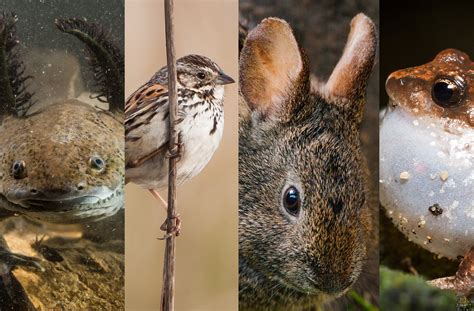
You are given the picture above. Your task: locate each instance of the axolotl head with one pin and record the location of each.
(64, 164)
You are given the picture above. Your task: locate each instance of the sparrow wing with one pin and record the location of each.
(143, 141)
(147, 93)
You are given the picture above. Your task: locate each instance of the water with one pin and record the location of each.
(82, 262)
(36, 29)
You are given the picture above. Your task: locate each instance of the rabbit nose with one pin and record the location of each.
(334, 283)
(332, 279)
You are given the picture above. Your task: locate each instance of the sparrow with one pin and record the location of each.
(200, 123)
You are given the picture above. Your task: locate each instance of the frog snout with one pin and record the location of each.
(394, 85)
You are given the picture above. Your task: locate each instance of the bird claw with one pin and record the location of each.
(174, 230)
(177, 150)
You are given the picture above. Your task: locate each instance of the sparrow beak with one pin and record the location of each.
(224, 79)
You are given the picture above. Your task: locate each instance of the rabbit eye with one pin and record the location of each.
(19, 169)
(292, 201)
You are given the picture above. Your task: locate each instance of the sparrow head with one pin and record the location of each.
(197, 72)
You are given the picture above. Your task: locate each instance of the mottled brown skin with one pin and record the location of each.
(307, 137)
(56, 145)
(411, 88)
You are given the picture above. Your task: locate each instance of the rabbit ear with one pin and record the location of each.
(271, 67)
(349, 77)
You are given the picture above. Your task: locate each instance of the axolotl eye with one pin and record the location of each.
(18, 170)
(97, 164)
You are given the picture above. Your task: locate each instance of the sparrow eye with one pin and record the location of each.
(201, 75)
(448, 92)
(19, 169)
(292, 201)
(97, 163)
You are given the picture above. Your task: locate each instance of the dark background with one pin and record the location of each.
(39, 39)
(413, 32)
(36, 29)
(36, 19)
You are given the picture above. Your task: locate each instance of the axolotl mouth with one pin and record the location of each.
(71, 207)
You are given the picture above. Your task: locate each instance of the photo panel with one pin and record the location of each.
(62, 155)
(426, 156)
(205, 34)
(308, 155)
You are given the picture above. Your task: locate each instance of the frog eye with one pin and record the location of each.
(292, 201)
(18, 169)
(448, 92)
(97, 163)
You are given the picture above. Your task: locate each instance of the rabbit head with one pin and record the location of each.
(304, 217)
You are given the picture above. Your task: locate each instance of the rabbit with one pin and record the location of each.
(307, 221)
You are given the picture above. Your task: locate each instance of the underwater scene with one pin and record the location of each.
(61, 155)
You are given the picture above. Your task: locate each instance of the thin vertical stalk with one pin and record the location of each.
(167, 294)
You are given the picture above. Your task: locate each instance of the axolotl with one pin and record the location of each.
(64, 162)
(427, 154)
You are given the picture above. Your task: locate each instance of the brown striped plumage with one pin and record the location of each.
(200, 89)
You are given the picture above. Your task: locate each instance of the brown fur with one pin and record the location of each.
(308, 139)
(269, 77)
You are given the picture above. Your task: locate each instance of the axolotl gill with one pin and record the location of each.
(427, 154)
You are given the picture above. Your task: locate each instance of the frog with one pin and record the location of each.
(427, 158)
(60, 162)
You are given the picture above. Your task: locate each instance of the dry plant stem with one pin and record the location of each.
(167, 294)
